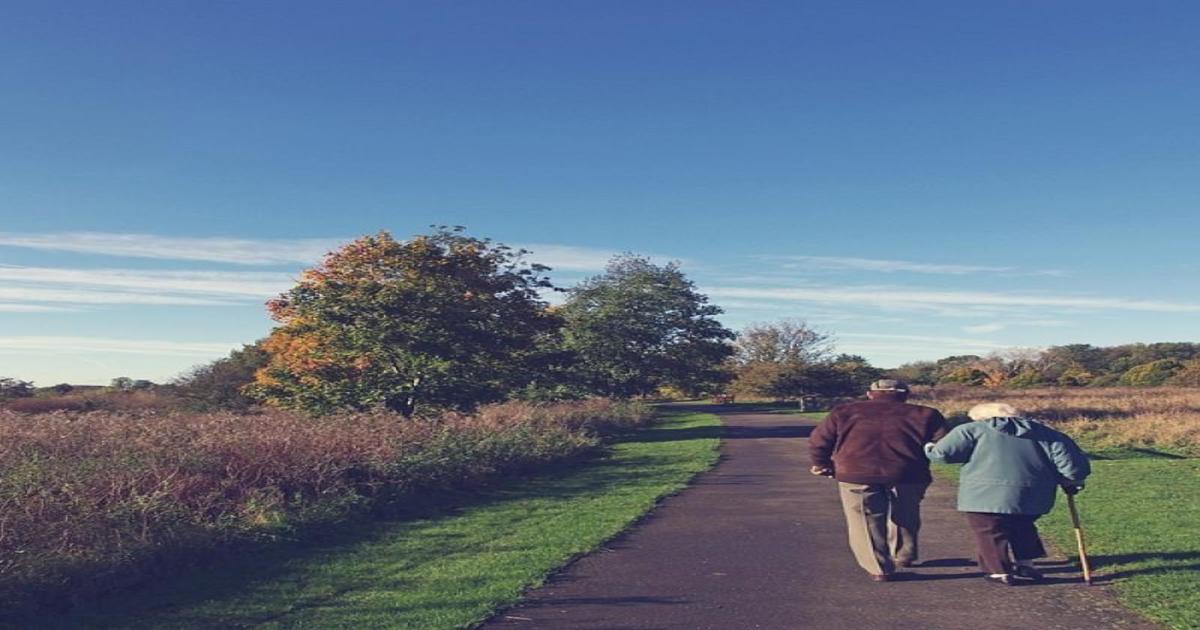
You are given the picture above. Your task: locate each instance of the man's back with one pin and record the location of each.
(877, 441)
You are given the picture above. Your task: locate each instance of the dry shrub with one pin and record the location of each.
(1138, 417)
(138, 401)
(99, 497)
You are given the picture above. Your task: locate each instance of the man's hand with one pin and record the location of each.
(821, 471)
(1072, 488)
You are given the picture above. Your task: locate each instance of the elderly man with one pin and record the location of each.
(1013, 467)
(875, 450)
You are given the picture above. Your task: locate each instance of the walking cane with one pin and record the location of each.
(1083, 559)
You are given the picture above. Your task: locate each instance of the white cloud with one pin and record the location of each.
(890, 266)
(83, 296)
(31, 308)
(893, 266)
(984, 328)
(121, 346)
(894, 349)
(926, 339)
(213, 249)
(248, 251)
(255, 284)
(924, 299)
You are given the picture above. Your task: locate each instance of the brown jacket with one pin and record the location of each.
(877, 441)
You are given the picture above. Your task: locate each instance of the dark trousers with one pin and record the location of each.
(998, 534)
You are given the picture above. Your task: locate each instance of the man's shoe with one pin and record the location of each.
(1029, 573)
(1003, 580)
(894, 576)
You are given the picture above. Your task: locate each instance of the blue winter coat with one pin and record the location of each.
(1011, 465)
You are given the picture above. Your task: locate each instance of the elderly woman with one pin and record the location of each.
(1012, 469)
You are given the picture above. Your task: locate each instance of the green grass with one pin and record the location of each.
(1140, 515)
(446, 569)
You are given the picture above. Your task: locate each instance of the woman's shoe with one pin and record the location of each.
(1029, 573)
(1003, 579)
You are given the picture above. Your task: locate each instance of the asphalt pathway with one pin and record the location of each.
(759, 543)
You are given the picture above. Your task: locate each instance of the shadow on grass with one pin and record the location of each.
(1164, 562)
(236, 570)
(1132, 452)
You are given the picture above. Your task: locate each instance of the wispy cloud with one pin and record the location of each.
(923, 299)
(31, 308)
(894, 266)
(239, 251)
(964, 342)
(985, 328)
(84, 296)
(109, 345)
(894, 349)
(249, 251)
(255, 284)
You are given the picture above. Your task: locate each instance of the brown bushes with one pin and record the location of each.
(1138, 417)
(137, 401)
(88, 497)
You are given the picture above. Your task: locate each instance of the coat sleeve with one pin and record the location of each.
(822, 441)
(1070, 460)
(939, 427)
(955, 448)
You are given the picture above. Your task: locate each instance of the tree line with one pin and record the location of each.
(447, 321)
(1074, 365)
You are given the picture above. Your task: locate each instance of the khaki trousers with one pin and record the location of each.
(883, 522)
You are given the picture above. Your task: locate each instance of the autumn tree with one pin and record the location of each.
(641, 326)
(443, 321)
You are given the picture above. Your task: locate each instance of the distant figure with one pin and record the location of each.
(875, 450)
(1013, 467)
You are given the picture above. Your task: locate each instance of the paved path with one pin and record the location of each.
(759, 543)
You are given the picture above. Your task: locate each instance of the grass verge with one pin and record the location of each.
(448, 568)
(1139, 515)
(1139, 520)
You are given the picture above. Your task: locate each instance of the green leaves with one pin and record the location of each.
(641, 326)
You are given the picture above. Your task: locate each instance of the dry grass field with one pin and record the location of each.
(88, 500)
(1165, 418)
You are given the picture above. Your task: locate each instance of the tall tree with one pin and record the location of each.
(641, 326)
(782, 359)
(790, 341)
(443, 320)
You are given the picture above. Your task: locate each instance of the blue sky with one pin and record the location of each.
(920, 179)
